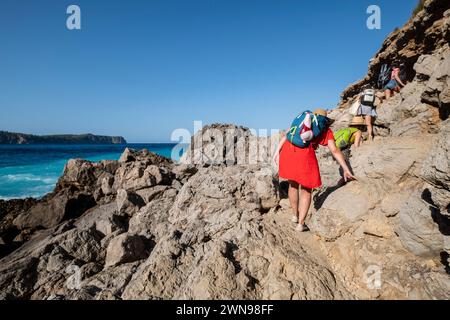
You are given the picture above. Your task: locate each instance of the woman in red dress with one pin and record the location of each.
(300, 167)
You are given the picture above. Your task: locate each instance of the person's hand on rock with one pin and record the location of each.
(348, 176)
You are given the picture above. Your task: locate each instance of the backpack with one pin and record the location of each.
(305, 128)
(368, 98)
(343, 137)
(403, 74)
(385, 76)
(354, 108)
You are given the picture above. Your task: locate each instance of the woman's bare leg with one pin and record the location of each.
(358, 138)
(293, 197)
(369, 127)
(387, 94)
(305, 202)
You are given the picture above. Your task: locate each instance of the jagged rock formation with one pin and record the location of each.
(387, 219)
(396, 215)
(229, 145)
(163, 231)
(428, 32)
(9, 210)
(217, 228)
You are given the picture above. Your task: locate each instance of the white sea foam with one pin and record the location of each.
(32, 195)
(25, 185)
(30, 177)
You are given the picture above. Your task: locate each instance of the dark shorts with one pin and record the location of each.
(391, 85)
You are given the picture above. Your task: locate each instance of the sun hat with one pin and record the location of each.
(358, 121)
(324, 113)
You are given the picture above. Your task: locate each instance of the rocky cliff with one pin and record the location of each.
(426, 33)
(21, 138)
(219, 228)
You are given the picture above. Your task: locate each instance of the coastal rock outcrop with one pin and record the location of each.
(426, 33)
(402, 175)
(125, 248)
(9, 234)
(223, 232)
(382, 223)
(216, 236)
(229, 145)
(423, 45)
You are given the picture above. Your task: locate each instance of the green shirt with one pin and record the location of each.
(345, 137)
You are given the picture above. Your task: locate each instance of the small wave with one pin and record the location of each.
(33, 195)
(25, 185)
(29, 177)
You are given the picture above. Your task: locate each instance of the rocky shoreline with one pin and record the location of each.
(144, 227)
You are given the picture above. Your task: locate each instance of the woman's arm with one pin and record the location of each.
(358, 138)
(337, 154)
(277, 153)
(397, 78)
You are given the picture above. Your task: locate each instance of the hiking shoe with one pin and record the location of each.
(302, 228)
(294, 219)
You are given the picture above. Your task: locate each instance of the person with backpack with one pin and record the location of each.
(395, 83)
(368, 101)
(384, 76)
(298, 163)
(352, 135)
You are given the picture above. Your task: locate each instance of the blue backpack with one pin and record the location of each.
(305, 128)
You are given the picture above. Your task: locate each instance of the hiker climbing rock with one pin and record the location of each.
(298, 162)
(367, 102)
(352, 135)
(396, 82)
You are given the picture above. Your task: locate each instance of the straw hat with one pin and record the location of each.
(322, 112)
(358, 121)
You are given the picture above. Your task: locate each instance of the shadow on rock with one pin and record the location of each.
(441, 220)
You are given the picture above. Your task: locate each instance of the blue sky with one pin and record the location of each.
(141, 69)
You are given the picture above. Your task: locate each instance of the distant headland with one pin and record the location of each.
(21, 138)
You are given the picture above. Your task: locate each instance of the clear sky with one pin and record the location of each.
(141, 69)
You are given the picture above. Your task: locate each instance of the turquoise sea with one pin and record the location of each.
(32, 170)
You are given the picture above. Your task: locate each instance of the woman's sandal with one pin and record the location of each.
(294, 219)
(302, 228)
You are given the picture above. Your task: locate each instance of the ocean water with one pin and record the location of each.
(33, 170)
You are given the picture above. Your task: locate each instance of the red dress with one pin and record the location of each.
(300, 164)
